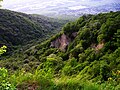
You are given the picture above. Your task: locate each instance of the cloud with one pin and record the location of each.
(77, 7)
(50, 5)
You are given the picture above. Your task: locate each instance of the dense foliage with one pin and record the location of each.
(20, 29)
(3, 49)
(90, 61)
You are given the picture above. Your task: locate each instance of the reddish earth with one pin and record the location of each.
(63, 41)
(97, 47)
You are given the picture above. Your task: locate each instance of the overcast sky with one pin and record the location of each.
(33, 6)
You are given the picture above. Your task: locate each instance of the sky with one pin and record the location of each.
(45, 6)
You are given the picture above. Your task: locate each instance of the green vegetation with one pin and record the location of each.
(18, 29)
(3, 49)
(90, 61)
(4, 84)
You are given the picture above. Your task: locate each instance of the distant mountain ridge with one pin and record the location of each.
(67, 9)
(19, 28)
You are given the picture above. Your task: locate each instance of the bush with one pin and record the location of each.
(4, 83)
(3, 49)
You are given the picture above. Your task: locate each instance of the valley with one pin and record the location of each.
(84, 54)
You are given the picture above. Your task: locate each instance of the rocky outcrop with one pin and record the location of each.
(97, 47)
(63, 41)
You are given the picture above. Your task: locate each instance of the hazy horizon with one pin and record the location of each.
(47, 6)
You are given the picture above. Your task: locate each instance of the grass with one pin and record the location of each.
(41, 80)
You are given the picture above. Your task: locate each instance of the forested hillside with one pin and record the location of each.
(84, 55)
(19, 28)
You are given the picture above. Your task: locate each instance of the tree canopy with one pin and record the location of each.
(3, 49)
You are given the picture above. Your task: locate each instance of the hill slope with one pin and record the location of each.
(19, 28)
(85, 50)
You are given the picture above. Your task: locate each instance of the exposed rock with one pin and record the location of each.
(63, 41)
(97, 47)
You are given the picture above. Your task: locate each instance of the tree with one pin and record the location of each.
(3, 49)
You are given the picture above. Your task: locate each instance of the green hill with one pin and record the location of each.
(85, 55)
(20, 29)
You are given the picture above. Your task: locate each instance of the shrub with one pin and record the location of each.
(4, 83)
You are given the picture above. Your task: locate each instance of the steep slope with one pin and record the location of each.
(19, 28)
(85, 50)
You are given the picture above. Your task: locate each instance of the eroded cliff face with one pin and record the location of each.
(97, 47)
(63, 41)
